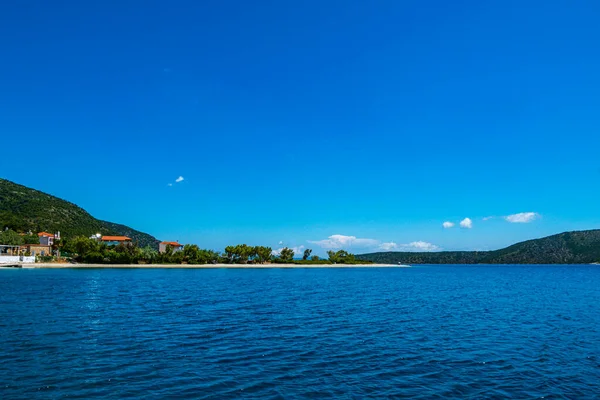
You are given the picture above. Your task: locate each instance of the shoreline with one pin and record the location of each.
(203, 266)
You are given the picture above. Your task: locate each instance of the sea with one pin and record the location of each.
(426, 332)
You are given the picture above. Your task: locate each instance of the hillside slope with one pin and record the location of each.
(580, 247)
(25, 209)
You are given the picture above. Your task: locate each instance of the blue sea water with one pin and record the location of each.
(425, 332)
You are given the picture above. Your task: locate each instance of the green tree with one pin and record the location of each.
(315, 258)
(230, 255)
(286, 255)
(263, 254)
(148, 254)
(210, 256)
(191, 254)
(333, 257)
(246, 253)
(341, 256)
(306, 254)
(240, 254)
(10, 238)
(31, 239)
(82, 246)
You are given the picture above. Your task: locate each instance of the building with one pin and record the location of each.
(115, 240)
(37, 249)
(11, 255)
(162, 247)
(47, 239)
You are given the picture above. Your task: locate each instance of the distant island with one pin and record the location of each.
(26, 213)
(579, 247)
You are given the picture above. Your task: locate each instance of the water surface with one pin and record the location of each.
(426, 332)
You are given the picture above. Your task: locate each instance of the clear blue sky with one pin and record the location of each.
(292, 121)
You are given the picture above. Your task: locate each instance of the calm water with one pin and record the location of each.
(426, 332)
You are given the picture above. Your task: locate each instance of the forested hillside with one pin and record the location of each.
(578, 247)
(24, 209)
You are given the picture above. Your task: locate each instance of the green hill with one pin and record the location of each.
(580, 247)
(24, 209)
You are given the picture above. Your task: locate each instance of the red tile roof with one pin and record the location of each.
(174, 244)
(116, 239)
(45, 234)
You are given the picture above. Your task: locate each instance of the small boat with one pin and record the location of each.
(403, 265)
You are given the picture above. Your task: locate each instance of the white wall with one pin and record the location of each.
(16, 259)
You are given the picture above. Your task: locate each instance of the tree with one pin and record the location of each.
(10, 238)
(31, 239)
(332, 256)
(263, 254)
(148, 254)
(341, 256)
(240, 254)
(286, 254)
(306, 254)
(167, 256)
(315, 258)
(208, 257)
(191, 254)
(245, 253)
(230, 255)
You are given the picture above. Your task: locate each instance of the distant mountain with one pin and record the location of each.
(580, 247)
(25, 209)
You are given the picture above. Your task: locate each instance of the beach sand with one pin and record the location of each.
(206, 266)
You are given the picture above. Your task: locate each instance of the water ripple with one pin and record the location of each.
(428, 332)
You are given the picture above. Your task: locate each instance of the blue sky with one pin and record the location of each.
(291, 122)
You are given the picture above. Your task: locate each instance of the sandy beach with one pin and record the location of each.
(206, 266)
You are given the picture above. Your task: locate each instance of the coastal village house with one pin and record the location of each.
(37, 249)
(115, 240)
(162, 247)
(47, 239)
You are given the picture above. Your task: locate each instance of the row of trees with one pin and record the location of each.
(86, 250)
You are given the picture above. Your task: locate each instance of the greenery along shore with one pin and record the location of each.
(24, 209)
(90, 251)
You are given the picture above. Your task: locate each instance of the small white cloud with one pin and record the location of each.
(388, 246)
(488, 218)
(298, 250)
(419, 246)
(169, 184)
(280, 242)
(466, 223)
(342, 241)
(522, 218)
(448, 224)
(180, 179)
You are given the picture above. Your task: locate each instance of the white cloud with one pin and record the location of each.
(388, 246)
(345, 242)
(280, 242)
(169, 184)
(522, 218)
(419, 246)
(299, 250)
(466, 223)
(342, 241)
(487, 218)
(179, 179)
(448, 224)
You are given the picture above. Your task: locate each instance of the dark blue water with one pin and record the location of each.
(426, 332)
